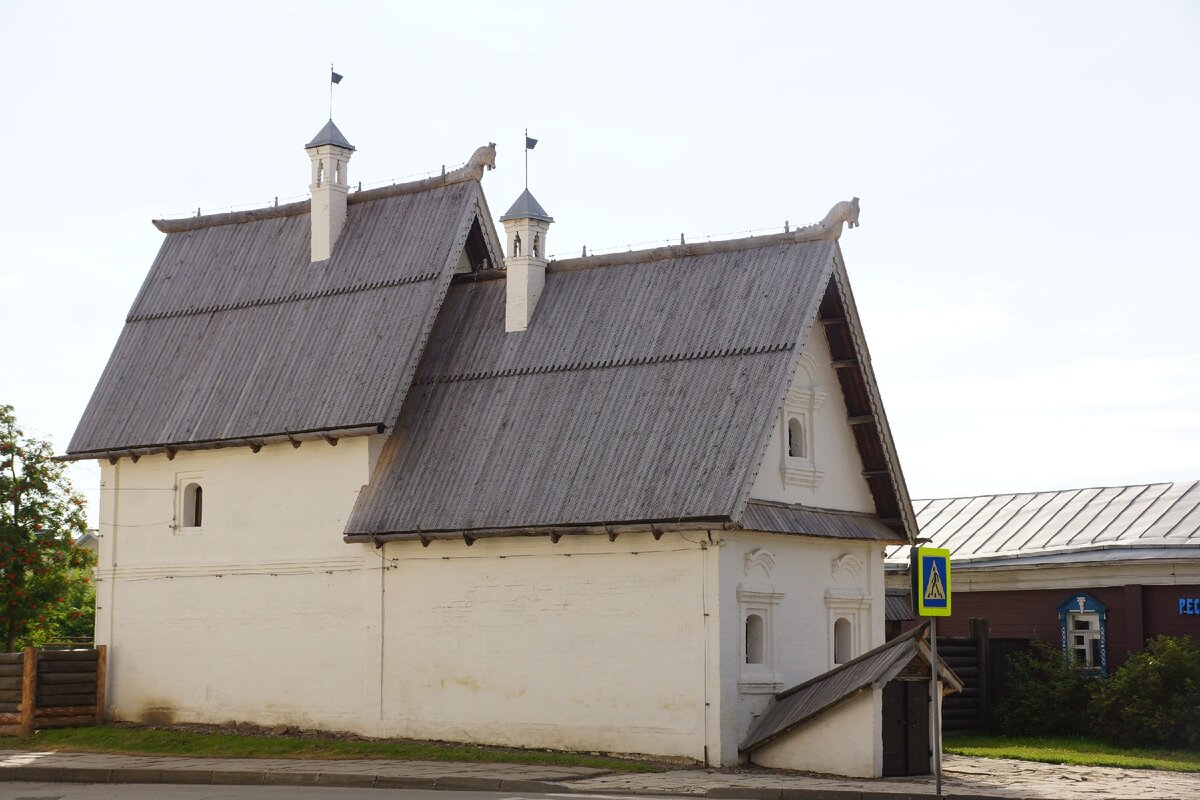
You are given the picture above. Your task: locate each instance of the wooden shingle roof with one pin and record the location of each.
(236, 336)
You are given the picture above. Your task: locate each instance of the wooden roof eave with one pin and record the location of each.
(876, 423)
(255, 443)
(555, 532)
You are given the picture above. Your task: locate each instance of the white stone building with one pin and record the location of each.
(363, 472)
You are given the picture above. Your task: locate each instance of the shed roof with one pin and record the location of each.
(793, 707)
(1157, 520)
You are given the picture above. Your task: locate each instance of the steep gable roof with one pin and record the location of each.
(637, 393)
(237, 337)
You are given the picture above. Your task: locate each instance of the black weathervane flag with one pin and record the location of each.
(530, 143)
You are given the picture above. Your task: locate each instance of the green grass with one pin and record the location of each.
(1072, 750)
(146, 741)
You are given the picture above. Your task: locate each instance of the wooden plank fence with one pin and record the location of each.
(52, 689)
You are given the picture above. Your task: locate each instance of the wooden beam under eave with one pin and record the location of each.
(875, 473)
(845, 363)
(861, 419)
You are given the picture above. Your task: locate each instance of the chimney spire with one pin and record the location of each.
(329, 152)
(525, 228)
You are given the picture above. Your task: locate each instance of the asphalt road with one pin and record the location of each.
(140, 791)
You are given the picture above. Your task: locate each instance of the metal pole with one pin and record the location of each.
(527, 158)
(935, 708)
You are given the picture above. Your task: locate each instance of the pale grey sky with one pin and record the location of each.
(1026, 268)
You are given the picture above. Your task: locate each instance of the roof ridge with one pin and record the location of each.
(828, 228)
(1055, 491)
(483, 158)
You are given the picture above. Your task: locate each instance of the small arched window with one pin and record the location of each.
(339, 172)
(517, 245)
(537, 245)
(320, 173)
(193, 505)
(797, 443)
(754, 639)
(841, 641)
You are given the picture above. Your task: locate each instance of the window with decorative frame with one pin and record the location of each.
(1083, 624)
(799, 458)
(758, 674)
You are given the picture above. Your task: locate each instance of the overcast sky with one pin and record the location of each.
(1026, 268)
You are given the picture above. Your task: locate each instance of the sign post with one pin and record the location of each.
(930, 571)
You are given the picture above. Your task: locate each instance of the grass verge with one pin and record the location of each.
(157, 741)
(1072, 750)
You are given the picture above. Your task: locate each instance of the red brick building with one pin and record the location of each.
(1095, 571)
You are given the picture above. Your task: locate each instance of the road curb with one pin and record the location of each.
(251, 777)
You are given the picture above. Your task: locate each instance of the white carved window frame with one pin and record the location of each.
(855, 606)
(182, 481)
(801, 404)
(761, 678)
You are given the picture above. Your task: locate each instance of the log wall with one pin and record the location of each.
(51, 689)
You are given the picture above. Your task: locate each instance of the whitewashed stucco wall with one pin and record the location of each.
(833, 450)
(835, 742)
(266, 615)
(807, 583)
(246, 618)
(583, 644)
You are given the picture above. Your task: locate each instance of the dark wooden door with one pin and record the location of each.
(906, 728)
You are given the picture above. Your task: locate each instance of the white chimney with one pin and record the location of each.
(330, 154)
(525, 228)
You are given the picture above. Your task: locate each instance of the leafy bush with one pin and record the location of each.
(1047, 697)
(1154, 698)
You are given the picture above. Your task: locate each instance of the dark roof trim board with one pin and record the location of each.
(656, 528)
(773, 517)
(761, 516)
(483, 158)
(872, 670)
(255, 443)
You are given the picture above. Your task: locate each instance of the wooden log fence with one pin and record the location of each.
(50, 688)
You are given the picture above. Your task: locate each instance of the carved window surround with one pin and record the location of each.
(801, 470)
(758, 678)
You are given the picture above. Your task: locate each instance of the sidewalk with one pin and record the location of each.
(964, 778)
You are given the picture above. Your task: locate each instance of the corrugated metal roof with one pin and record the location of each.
(876, 668)
(638, 393)
(761, 515)
(1094, 524)
(235, 333)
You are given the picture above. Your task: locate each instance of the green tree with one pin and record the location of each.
(44, 587)
(1155, 698)
(1046, 698)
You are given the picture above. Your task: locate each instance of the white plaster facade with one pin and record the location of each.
(263, 614)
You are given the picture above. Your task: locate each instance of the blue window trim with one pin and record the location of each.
(1090, 605)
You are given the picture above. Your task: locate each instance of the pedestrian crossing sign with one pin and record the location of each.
(930, 570)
